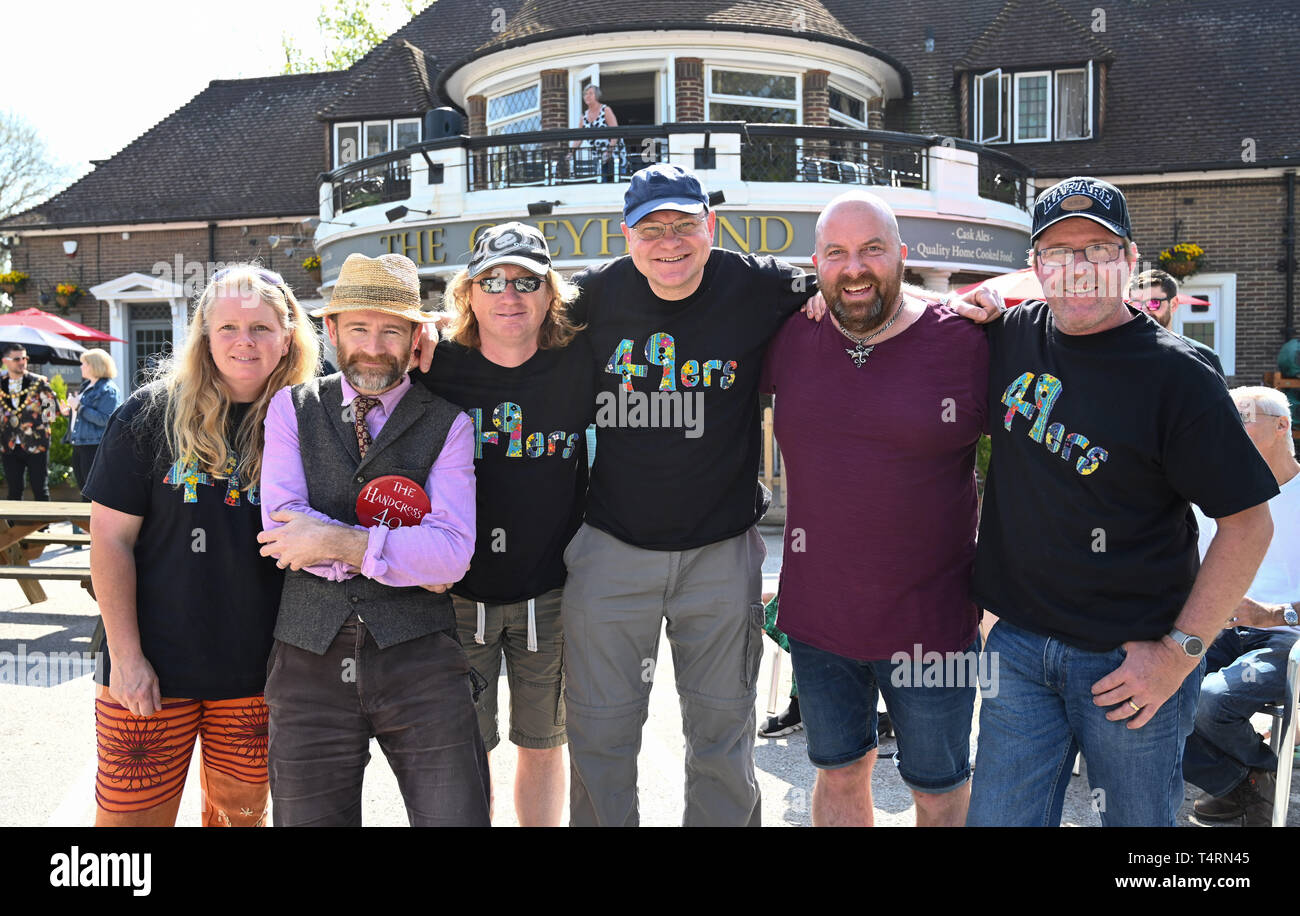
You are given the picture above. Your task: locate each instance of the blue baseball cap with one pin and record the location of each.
(663, 187)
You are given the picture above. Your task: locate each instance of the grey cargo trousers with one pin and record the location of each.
(615, 600)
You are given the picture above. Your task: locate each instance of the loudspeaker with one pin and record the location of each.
(443, 122)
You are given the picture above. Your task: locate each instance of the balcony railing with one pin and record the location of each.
(835, 155)
(768, 152)
(376, 180)
(547, 158)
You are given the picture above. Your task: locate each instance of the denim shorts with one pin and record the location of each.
(838, 698)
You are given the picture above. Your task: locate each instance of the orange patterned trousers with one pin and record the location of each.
(143, 761)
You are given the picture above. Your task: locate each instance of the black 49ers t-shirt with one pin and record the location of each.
(1100, 442)
(206, 600)
(677, 415)
(530, 462)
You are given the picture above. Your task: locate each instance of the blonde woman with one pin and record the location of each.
(89, 410)
(187, 601)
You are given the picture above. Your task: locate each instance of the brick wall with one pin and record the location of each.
(1239, 224)
(103, 256)
(690, 89)
(476, 106)
(555, 99)
(816, 99)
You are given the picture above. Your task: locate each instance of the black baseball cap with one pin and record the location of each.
(663, 187)
(510, 243)
(1091, 198)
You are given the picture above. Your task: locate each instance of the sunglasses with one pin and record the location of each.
(1152, 305)
(266, 276)
(496, 285)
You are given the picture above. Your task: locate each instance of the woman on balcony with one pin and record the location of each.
(188, 603)
(597, 115)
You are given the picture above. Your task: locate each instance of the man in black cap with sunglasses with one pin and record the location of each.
(1105, 429)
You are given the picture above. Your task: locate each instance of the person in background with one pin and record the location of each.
(596, 114)
(1155, 293)
(89, 410)
(188, 604)
(27, 407)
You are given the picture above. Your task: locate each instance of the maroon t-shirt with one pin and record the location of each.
(879, 467)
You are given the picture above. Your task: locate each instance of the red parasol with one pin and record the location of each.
(45, 321)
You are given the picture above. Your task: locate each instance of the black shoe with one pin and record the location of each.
(1251, 800)
(780, 725)
(884, 725)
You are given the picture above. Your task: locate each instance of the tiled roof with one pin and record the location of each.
(1190, 84)
(240, 148)
(389, 84)
(1042, 34)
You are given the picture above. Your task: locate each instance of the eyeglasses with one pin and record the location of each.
(17, 359)
(1250, 416)
(653, 232)
(266, 276)
(496, 285)
(1101, 253)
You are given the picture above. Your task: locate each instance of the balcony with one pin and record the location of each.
(774, 179)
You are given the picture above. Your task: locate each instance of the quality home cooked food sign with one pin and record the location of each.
(577, 239)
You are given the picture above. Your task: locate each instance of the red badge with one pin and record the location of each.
(391, 500)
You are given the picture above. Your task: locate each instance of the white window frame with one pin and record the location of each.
(1221, 290)
(1086, 70)
(519, 116)
(419, 130)
(361, 136)
(1004, 87)
(795, 105)
(839, 117)
(388, 137)
(1016, 79)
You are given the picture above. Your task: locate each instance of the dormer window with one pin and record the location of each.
(1034, 106)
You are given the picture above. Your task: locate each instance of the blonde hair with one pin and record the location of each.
(1270, 402)
(557, 329)
(100, 363)
(198, 403)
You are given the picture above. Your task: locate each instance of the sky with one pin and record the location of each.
(93, 76)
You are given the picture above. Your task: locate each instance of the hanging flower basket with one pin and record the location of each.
(1183, 260)
(13, 282)
(312, 265)
(66, 295)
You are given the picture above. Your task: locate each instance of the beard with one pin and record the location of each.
(862, 317)
(373, 378)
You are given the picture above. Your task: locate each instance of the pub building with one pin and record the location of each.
(470, 115)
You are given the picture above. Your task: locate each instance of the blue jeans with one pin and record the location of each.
(1042, 714)
(1247, 672)
(837, 701)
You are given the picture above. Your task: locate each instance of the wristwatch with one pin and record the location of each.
(1194, 646)
(1289, 615)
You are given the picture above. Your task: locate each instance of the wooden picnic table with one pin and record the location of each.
(22, 540)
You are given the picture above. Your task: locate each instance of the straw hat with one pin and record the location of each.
(388, 283)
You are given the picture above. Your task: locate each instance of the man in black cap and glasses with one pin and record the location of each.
(1104, 429)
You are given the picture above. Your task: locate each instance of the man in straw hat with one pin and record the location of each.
(368, 501)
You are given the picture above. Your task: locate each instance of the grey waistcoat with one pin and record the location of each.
(313, 609)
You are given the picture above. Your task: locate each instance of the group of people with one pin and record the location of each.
(28, 410)
(360, 551)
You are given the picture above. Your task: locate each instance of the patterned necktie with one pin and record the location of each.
(362, 405)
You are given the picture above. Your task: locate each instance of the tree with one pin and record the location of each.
(348, 30)
(28, 174)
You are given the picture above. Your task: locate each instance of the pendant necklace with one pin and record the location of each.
(859, 353)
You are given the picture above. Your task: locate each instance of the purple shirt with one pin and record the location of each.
(879, 469)
(435, 552)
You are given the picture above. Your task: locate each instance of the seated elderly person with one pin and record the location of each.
(1246, 665)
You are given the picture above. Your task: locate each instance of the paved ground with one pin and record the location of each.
(47, 738)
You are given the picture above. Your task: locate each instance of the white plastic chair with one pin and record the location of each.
(1283, 741)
